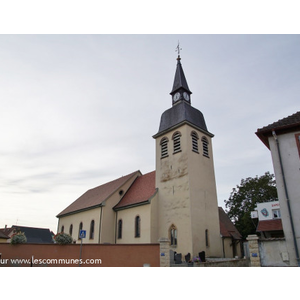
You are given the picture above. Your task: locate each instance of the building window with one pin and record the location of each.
(62, 228)
(92, 228)
(173, 235)
(164, 147)
(80, 228)
(71, 229)
(205, 146)
(195, 139)
(176, 142)
(137, 226)
(297, 136)
(276, 214)
(206, 238)
(120, 224)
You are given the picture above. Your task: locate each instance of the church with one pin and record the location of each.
(177, 201)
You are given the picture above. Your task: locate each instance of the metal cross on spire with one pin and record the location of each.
(178, 49)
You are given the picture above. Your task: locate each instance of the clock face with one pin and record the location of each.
(186, 96)
(176, 96)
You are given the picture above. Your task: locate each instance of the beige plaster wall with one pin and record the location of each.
(154, 219)
(104, 218)
(227, 243)
(108, 225)
(128, 224)
(173, 184)
(203, 195)
(85, 217)
(187, 195)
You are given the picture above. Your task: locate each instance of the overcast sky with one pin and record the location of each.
(80, 110)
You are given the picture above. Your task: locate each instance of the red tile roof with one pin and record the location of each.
(142, 190)
(227, 229)
(269, 225)
(288, 124)
(94, 197)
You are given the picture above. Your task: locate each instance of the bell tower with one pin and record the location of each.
(187, 198)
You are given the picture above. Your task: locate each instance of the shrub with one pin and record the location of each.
(18, 238)
(63, 238)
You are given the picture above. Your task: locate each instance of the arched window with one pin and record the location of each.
(195, 139)
(164, 147)
(206, 238)
(176, 141)
(62, 228)
(71, 229)
(205, 146)
(120, 224)
(173, 235)
(80, 228)
(137, 226)
(92, 228)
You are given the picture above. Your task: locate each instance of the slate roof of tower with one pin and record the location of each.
(96, 196)
(179, 114)
(227, 229)
(287, 124)
(140, 192)
(179, 79)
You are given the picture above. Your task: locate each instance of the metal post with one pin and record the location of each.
(80, 252)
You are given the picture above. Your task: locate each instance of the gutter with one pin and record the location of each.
(100, 224)
(287, 198)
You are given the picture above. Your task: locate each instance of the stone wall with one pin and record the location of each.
(164, 252)
(253, 250)
(274, 253)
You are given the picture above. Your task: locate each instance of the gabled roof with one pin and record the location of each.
(96, 196)
(140, 192)
(288, 124)
(35, 235)
(227, 229)
(3, 235)
(269, 225)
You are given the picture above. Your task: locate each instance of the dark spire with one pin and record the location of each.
(179, 79)
(180, 90)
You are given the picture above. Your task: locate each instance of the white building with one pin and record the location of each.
(283, 139)
(269, 219)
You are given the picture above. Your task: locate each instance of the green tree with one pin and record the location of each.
(243, 200)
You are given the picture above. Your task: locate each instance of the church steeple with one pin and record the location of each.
(187, 203)
(181, 112)
(180, 90)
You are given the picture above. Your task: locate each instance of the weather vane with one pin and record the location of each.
(178, 49)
